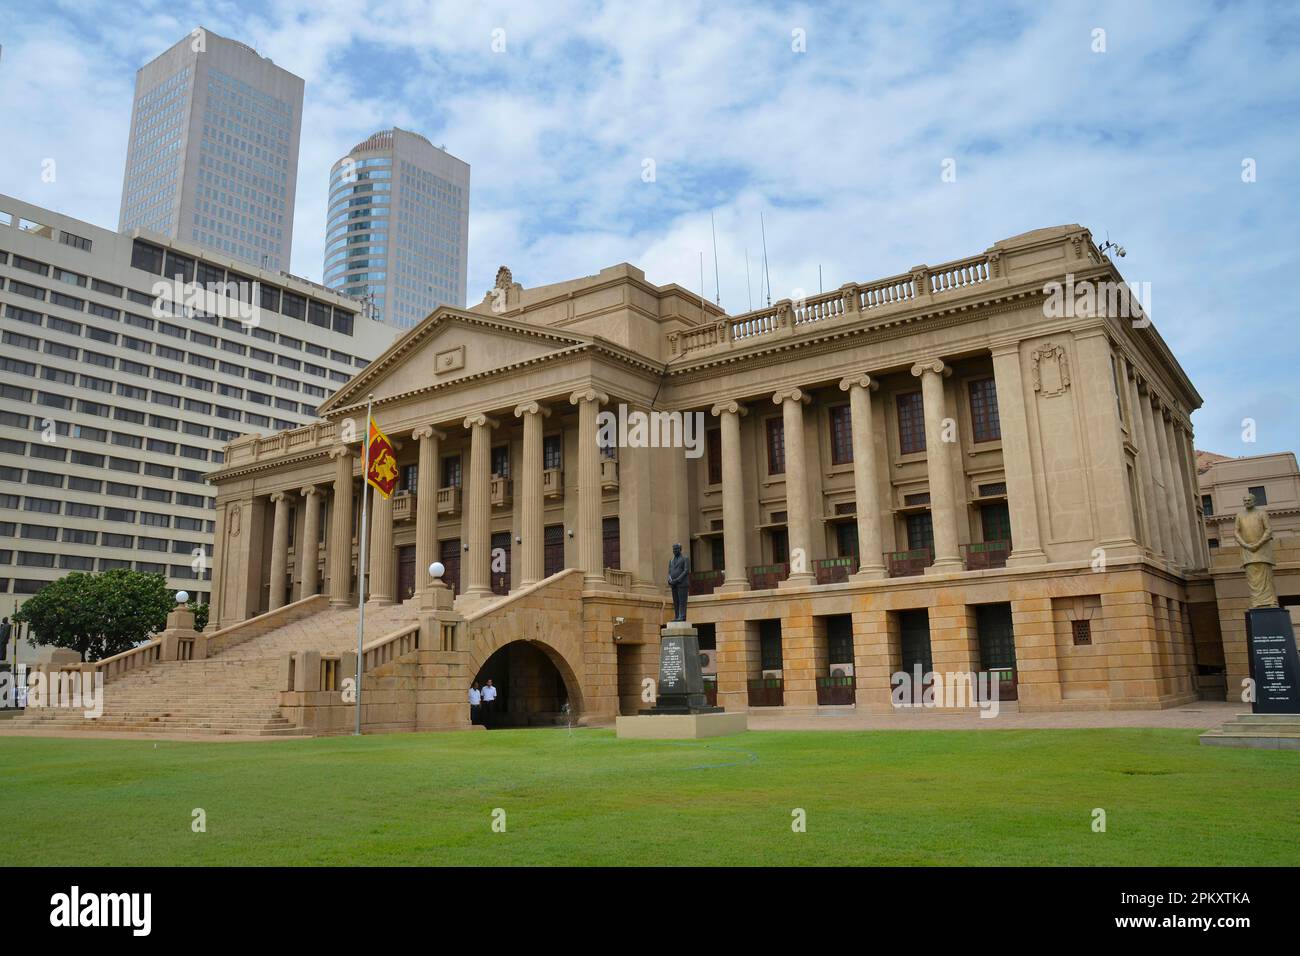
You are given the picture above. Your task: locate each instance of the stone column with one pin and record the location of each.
(338, 553)
(1183, 508)
(279, 550)
(477, 565)
(309, 547)
(865, 487)
(381, 559)
(1017, 461)
(426, 504)
(529, 485)
(1161, 486)
(799, 523)
(1175, 526)
(1098, 388)
(1187, 458)
(1155, 540)
(589, 490)
(735, 574)
(943, 508)
(636, 526)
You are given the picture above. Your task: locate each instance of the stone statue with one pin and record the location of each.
(679, 573)
(1255, 538)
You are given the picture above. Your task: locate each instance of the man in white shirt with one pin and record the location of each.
(489, 699)
(475, 703)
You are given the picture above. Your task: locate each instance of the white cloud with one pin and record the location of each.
(839, 146)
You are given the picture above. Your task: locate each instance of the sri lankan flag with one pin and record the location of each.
(383, 463)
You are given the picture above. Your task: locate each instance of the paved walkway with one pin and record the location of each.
(1201, 715)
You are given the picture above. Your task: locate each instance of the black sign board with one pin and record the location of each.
(1274, 663)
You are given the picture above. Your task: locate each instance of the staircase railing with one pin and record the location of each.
(236, 634)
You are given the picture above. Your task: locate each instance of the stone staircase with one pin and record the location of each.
(1262, 731)
(236, 691)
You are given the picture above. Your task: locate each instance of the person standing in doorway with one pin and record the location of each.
(475, 703)
(489, 699)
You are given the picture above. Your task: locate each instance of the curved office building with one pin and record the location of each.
(397, 229)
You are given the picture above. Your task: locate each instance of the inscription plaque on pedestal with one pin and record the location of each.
(1274, 662)
(681, 679)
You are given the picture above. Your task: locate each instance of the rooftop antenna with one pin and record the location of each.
(717, 292)
(819, 278)
(766, 271)
(749, 286)
(701, 285)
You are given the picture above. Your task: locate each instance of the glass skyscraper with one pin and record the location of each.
(397, 228)
(213, 152)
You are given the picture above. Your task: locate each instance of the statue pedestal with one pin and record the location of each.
(681, 681)
(680, 711)
(1274, 662)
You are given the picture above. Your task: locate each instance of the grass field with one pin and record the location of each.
(902, 797)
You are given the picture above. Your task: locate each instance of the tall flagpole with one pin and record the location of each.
(361, 552)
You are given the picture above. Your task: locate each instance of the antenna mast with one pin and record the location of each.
(717, 292)
(749, 286)
(766, 271)
(701, 285)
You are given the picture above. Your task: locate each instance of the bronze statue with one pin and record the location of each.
(679, 573)
(1255, 538)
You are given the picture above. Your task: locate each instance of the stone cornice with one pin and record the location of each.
(571, 343)
(315, 455)
(598, 347)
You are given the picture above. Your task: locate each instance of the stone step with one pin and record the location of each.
(232, 692)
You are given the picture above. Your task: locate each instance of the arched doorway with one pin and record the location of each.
(535, 687)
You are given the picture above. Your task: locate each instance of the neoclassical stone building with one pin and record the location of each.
(941, 469)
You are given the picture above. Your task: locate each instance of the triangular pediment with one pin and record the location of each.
(447, 346)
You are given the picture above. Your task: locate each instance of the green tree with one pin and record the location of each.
(98, 615)
(200, 614)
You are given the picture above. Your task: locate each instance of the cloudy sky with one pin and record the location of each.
(832, 120)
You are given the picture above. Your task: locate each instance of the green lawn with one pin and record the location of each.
(583, 797)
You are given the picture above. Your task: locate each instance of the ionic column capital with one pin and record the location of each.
(936, 366)
(427, 431)
(588, 395)
(307, 491)
(859, 381)
(480, 420)
(278, 496)
(340, 451)
(791, 395)
(532, 408)
(728, 408)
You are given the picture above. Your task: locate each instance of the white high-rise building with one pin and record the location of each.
(115, 401)
(213, 152)
(397, 229)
